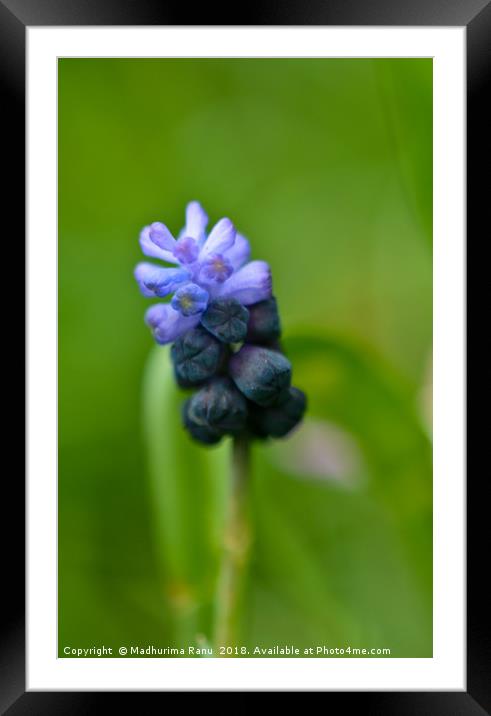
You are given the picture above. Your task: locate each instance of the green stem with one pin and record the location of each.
(236, 548)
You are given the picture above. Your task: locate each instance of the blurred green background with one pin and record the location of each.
(326, 166)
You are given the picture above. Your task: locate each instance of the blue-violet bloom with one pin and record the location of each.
(205, 267)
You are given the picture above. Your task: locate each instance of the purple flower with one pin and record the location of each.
(204, 268)
(167, 324)
(156, 281)
(190, 300)
(217, 268)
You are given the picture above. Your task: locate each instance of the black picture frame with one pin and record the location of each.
(15, 17)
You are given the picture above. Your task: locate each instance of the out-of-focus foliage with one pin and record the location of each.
(326, 166)
(344, 511)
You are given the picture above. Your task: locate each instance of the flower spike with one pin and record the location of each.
(224, 326)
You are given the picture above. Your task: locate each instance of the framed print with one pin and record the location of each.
(246, 355)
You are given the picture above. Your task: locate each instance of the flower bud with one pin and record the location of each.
(264, 322)
(197, 356)
(260, 374)
(226, 319)
(201, 433)
(279, 419)
(218, 405)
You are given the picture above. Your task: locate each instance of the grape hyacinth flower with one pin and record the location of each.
(223, 321)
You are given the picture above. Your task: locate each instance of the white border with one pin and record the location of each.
(446, 670)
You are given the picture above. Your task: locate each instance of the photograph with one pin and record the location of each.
(245, 331)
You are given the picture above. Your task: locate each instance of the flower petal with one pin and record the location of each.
(190, 299)
(215, 268)
(160, 235)
(167, 324)
(186, 250)
(250, 284)
(196, 221)
(151, 249)
(239, 253)
(156, 314)
(157, 281)
(221, 238)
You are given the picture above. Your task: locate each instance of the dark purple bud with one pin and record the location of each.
(279, 419)
(264, 322)
(218, 405)
(261, 374)
(226, 319)
(201, 433)
(197, 356)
